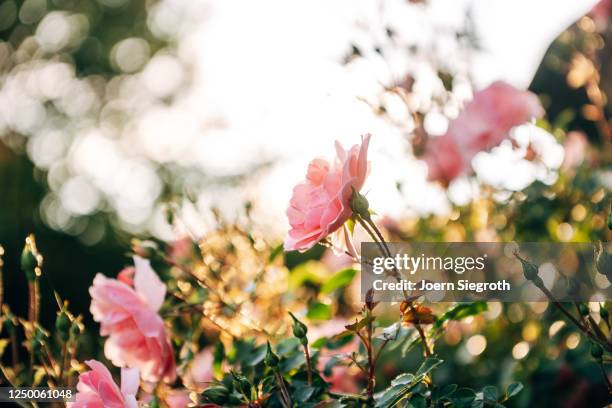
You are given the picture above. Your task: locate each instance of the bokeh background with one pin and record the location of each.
(133, 118)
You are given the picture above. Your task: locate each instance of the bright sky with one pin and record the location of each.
(271, 70)
(269, 83)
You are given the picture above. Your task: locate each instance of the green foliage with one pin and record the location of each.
(338, 280)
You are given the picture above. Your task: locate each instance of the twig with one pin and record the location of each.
(202, 282)
(376, 235)
(308, 364)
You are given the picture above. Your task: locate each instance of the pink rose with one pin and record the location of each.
(97, 389)
(444, 160)
(128, 315)
(320, 205)
(484, 123)
(180, 249)
(177, 399)
(601, 12)
(575, 145)
(343, 378)
(201, 370)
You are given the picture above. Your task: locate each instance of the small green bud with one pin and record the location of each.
(360, 205)
(529, 270)
(299, 328)
(596, 351)
(62, 324)
(583, 309)
(28, 263)
(271, 359)
(217, 394)
(75, 329)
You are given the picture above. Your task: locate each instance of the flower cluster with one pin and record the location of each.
(484, 123)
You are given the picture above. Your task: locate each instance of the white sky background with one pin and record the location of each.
(268, 84)
(271, 70)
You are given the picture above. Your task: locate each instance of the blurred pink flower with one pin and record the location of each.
(444, 160)
(180, 249)
(128, 315)
(97, 389)
(484, 123)
(575, 146)
(342, 378)
(177, 399)
(201, 369)
(601, 12)
(320, 205)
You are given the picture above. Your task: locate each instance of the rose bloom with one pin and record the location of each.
(128, 316)
(200, 373)
(320, 205)
(484, 123)
(97, 389)
(444, 160)
(601, 13)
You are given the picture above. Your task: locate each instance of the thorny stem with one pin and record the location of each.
(63, 362)
(377, 236)
(34, 304)
(577, 323)
(308, 364)
(371, 364)
(14, 347)
(285, 398)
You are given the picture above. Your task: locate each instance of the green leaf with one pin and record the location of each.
(275, 252)
(402, 379)
(358, 325)
(442, 392)
(303, 393)
(513, 389)
(429, 364)
(319, 311)
(310, 272)
(256, 356)
(417, 401)
(461, 311)
(338, 280)
(490, 393)
(288, 346)
(404, 384)
(463, 397)
(292, 362)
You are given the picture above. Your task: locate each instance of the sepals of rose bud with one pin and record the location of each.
(360, 205)
(271, 359)
(299, 329)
